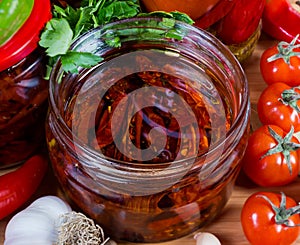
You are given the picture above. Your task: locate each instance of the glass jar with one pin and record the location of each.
(148, 142)
(23, 90)
(65, 3)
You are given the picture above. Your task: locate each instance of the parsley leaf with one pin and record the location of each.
(117, 10)
(84, 22)
(173, 15)
(72, 60)
(57, 37)
(69, 23)
(182, 17)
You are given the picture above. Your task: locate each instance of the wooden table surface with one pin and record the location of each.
(227, 227)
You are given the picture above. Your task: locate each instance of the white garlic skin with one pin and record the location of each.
(206, 238)
(36, 223)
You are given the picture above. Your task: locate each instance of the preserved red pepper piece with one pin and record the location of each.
(18, 186)
(241, 21)
(281, 19)
(216, 13)
(144, 120)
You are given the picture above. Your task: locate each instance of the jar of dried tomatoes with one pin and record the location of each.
(148, 142)
(23, 90)
(235, 22)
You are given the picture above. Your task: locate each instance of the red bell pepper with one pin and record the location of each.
(18, 186)
(281, 19)
(241, 21)
(216, 13)
(25, 40)
(13, 15)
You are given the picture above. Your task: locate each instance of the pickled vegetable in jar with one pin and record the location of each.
(149, 141)
(169, 104)
(23, 89)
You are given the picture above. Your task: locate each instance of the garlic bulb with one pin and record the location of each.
(36, 223)
(51, 221)
(76, 228)
(205, 238)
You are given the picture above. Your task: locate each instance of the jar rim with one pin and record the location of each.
(26, 39)
(233, 65)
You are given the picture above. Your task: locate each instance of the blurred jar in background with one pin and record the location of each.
(65, 3)
(235, 22)
(23, 89)
(194, 8)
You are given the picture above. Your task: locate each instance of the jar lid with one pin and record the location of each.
(26, 39)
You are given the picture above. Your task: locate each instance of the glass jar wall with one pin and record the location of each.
(148, 142)
(23, 89)
(23, 106)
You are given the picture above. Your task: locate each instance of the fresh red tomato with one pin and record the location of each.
(279, 104)
(269, 218)
(271, 157)
(281, 19)
(281, 63)
(241, 21)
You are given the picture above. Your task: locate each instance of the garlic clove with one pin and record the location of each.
(30, 224)
(53, 206)
(36, 223)
(206, 238)
(111, 242)
(27, 241)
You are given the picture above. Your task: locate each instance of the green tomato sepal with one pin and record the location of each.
(284, 146)
(282, 213)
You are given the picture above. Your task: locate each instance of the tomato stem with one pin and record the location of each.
(290, 97)
(282, 214)
(285, 51)
(284, 146)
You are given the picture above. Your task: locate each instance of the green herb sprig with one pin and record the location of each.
(69, 23)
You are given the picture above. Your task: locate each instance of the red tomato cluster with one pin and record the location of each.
(272, 157)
